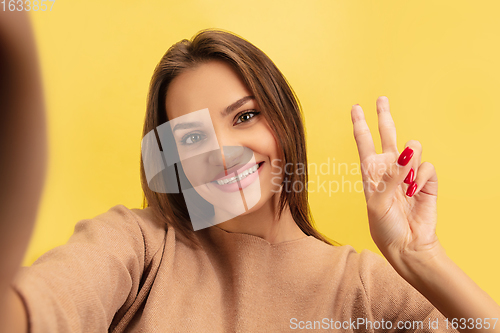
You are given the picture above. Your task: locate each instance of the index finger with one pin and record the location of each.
(362, 133)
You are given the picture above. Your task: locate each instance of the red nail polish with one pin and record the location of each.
(411, 190)
(409, 178)
(405, 156)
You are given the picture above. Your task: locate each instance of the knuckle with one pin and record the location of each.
(361, 132)
(382, 109)
(415, 144)
(429, 166)
(386, 125)
(357, 117)
(371, 206)
(388, 176)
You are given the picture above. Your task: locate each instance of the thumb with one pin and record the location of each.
(393, 177)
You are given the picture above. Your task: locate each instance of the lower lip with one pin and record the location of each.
(241, 184)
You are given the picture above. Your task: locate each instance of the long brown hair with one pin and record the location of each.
(273, 94)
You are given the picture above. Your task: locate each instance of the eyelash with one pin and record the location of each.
(246, 112)
(183, 140)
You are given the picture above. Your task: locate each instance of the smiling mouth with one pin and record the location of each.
(242, 175)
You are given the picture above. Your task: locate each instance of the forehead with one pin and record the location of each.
(213, 85)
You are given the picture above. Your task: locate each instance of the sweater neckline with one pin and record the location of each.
(252, 239)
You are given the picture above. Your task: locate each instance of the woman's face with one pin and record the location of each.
(225, 144)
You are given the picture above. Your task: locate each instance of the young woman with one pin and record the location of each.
(221, 126)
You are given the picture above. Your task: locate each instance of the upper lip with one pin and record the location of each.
(230, 172)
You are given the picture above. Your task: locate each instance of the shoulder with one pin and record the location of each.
(385, 292)
(346, 255)
(370, 269)
(342, 262)
(377, 276)
(142, 222)
(121, 227)
(366, 264)
(389, 294)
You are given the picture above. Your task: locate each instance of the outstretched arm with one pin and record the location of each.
(22, 154)
(401, 196)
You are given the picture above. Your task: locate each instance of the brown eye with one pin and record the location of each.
(246, 116)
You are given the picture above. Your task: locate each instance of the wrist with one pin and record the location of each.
(419, 266)
(418, 261)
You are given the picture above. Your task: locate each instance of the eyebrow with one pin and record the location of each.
(236, 105)
(224, 113)
(187, 125)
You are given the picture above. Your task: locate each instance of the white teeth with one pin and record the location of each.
(240, 176)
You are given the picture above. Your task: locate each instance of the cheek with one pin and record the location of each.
(196, 171)
(266, 147)
(275, 158)
(267, 142)
(190, 172)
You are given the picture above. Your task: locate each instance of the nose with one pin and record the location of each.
(231, 155)
(231, 151)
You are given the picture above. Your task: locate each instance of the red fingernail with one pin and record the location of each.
(405, 156)
(411, 190)
(409, 177)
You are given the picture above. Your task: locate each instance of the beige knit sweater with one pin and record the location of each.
(124, 271)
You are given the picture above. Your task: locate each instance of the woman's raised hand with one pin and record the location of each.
(400, 192)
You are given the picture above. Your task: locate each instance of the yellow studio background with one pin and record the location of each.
(437, 62)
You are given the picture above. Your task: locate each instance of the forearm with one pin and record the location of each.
(451, 291)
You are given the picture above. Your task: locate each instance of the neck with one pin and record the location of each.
(265, 224)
